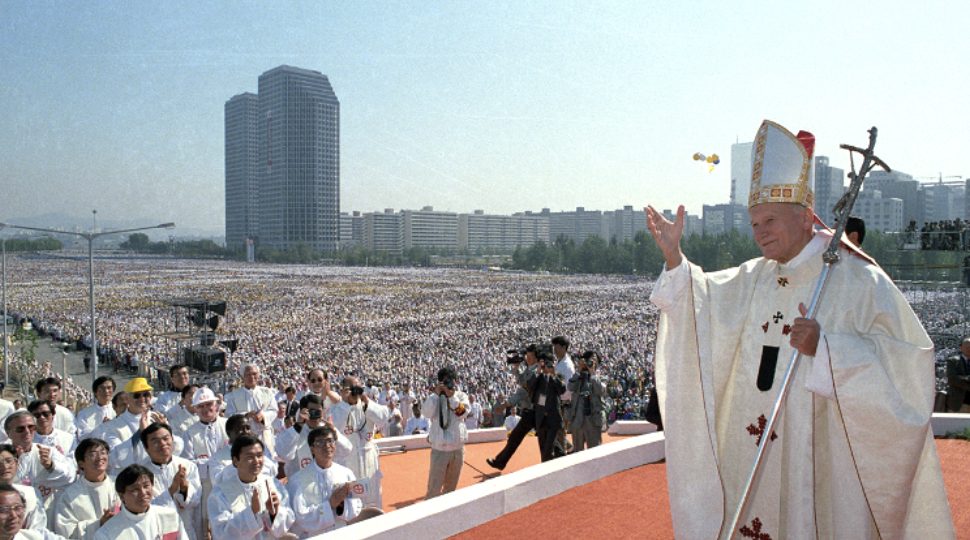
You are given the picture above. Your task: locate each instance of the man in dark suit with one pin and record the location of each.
(546, 388)
(292, 404)
(523, 400)
(958, 375)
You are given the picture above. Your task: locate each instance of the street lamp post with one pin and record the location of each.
(90, 237)
(6, 353)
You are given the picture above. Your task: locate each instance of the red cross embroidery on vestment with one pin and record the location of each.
(786, 329)
(758, 431)
(754, 531)
(765, 327)
(783, 281)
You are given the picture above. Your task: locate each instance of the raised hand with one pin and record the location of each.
(805, 333)
(255, 502)
(339, 494)
(667, 234)
(108, 513)
(45, 457)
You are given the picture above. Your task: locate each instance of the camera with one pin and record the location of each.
(517, 356)
(315, 414)
(356, 390)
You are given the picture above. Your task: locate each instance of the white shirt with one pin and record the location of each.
(511, 421)
(293, 449)
(30, 472)
(78, 511)
(64, 419)
(185, 505)
(453, 435)
(155, 524)
(59, 440)
(92, 416)
(202, 441)
(167, 400)
(474, 417)
(565, 369)
(416, 423)
(220, 465)
(231, 515)
(310, 491)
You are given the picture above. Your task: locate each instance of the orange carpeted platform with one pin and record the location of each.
(631, 504)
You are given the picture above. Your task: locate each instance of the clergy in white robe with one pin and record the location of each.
(202, 441)
(138, 518)
(99, 412)
(12, 522)
(291, 445)
(221, 462)
(853, 454)
(182, 416)
(50, 389)
(123, 433)
(91, 499)
(322, 494)
(36, 517)
(249, 504)
(46, 433)
(258, 403)
(356, 417)
(179, 376)
(40, 466)
(177, 483)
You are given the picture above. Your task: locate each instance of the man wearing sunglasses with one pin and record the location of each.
(39, 466)
(46, 433)
(318, 384)
(123, 433)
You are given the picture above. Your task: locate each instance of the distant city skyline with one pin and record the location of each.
(502, 107)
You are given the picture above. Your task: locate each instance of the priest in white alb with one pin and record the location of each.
(852, 455)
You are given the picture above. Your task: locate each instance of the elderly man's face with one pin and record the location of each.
(11, 514)
(781, 230)
(251, 378)
(21, 431)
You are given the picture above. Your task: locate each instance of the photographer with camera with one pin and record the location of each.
(446, 408)
(586, 414)
(545, 388)
(524, 363)
(356, 416)
(292, 444)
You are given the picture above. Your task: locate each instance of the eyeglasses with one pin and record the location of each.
(17, 509)
(320, 443)
(43, 414)
(8, 462)
(24, 429)
(139, 395)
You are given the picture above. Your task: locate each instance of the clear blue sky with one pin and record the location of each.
(503, 106)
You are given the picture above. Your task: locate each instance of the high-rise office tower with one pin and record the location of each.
(242, 185)
(741, 172)
(299, 160)
(829, 187)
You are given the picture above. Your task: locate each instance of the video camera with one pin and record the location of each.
(517, 356)
(356, 390)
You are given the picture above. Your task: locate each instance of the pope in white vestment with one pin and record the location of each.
(853, 454)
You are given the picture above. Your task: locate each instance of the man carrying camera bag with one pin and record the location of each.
(446, 408)
(356, 417)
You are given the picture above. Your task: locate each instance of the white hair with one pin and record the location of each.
(246, 367)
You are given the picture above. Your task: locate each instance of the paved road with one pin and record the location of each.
(48, 351)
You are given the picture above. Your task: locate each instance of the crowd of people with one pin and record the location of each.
(943, 235)
(387, 326)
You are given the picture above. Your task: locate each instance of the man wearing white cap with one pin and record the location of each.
(202, 441)
(852, 455)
